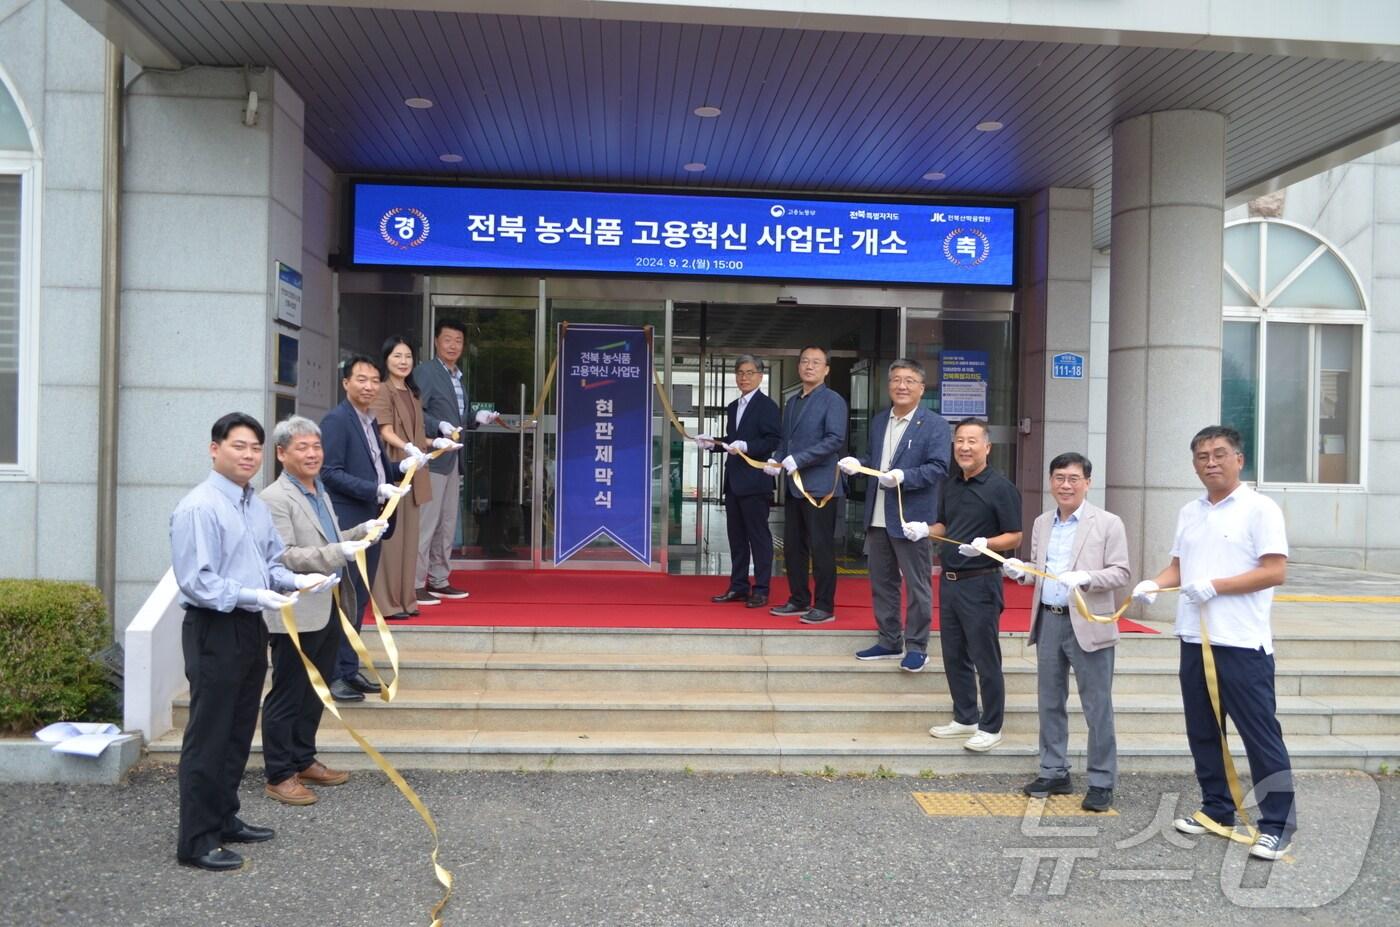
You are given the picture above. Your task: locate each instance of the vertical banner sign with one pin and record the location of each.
(604, 395)
(963, 384)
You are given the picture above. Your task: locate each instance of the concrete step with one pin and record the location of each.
(823, 641)
(794, 712)
(794, 753)
(822, 672)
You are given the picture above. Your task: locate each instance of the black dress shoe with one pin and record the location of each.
(243, 832)
(341, 692)
(1097, 799)
(216, 860)
(756, 601)
(1043, 786)
(730, 596)
(398, 616)
(787, 610)
(817, 616)
(359, 683)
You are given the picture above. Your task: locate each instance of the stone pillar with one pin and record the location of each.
(1164, 320)
(208, 204)
(1055, 317)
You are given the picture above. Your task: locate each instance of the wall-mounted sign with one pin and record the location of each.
(288, 306)
(770, 237)
(1067, 367)
(962, 384)
(604, 395)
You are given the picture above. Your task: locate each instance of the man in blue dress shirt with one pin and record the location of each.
(226, 556)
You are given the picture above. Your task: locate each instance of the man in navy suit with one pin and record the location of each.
(911, 446)
(359, 479)
(813, 438)
(752, 426)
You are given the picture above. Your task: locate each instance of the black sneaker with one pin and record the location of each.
(1270, 847)
(1042, 787)
(1097, 799)
(787, 609)
(817, 616)
(1189, 825)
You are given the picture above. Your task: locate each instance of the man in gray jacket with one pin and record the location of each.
(1088, 549)
(445, 407)
(304, 518)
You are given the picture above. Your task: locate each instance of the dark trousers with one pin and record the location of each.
(810, 532)
(292, 711)
(749, 536)
(225, 663)
(969, 614)
(1246, 681)
(895, 564)
(347, 663)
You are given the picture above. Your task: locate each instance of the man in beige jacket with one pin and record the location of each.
(1087, 548)
(303, 516)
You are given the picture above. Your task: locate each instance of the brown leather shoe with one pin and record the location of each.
(290, 791)
(319, 774)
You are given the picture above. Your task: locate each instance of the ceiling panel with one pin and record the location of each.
(598, 101)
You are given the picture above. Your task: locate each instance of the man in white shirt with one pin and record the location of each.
(1230, 551)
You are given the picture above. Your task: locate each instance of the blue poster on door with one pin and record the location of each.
(604, 485)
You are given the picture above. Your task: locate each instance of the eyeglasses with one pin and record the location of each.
(811, 362)
(1220, 454)
(748, 372)
(906, 381)
(1062, 479)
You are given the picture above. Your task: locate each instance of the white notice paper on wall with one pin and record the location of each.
(83, 738)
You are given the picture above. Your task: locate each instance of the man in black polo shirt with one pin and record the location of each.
(978, 503)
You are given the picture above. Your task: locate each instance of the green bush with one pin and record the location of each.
(49, 632)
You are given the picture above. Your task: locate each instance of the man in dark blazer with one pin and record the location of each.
(359, 479)
(752, 425)
(911, 446)
(445, 406)
(813, 439)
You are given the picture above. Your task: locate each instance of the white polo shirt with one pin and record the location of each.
(1226, 539)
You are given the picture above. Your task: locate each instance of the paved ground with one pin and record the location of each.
(656, 849)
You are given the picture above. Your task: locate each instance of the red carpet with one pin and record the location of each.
(579, 599)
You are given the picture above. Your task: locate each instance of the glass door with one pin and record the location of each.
(494, 527)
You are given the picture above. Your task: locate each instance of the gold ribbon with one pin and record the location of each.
(318, 683)
(1249, 835)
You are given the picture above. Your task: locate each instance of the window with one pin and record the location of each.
(1291, 378)
(18, 394)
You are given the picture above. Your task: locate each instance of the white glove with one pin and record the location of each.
(1075, 578)
(1014, 569)
(892, 478)
(736, 447)
(773, 468)
(315, 582)
(916, 530)
(411, 450)
(274, 600)
(789, 464)
(485, 418)
(349, 549)
(1200, 592)
(374, 527)
(1146, 592)
(409, 463)
(389, 491)
(704, 442)
(440, 443)
(447, 429)
(977, 548)
(848, 465)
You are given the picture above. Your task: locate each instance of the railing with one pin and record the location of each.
(155, 663)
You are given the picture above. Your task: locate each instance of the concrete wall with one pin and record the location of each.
(320, 328)
(55, 63)
(208, 205)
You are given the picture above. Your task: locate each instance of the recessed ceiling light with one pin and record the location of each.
(707, 112)
(418, 103)
(450, 158)
(694, 166)
(935, 175)
(991, 125)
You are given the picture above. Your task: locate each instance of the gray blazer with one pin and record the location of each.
(308, 551)
(440, 405)
(1101, 550)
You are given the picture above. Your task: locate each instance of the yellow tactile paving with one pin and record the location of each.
(999, 804)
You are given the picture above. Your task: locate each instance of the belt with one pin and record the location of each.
(953, 576)
(1057, 609)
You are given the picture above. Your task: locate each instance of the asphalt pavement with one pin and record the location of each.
(654, 849)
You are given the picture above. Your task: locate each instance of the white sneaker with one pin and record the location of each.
(1268, 848)
(982, 741)
(952, 729)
